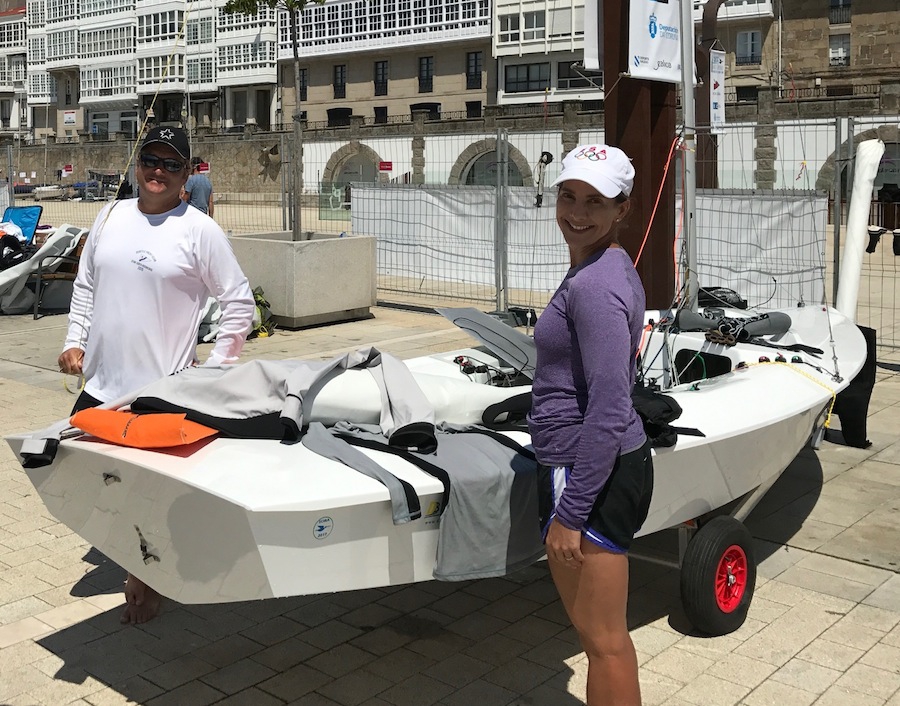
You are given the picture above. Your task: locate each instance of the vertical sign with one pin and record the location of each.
(593, 35)
(654, 40)
(717, 91)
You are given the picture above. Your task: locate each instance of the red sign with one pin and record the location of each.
(385, 166)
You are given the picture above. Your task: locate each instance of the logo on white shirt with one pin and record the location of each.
(144, 260)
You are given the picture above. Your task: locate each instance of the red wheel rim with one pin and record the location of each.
(731, 578)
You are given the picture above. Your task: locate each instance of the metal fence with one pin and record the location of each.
(499, 179)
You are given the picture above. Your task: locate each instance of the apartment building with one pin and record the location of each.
(99, 67)
(382, 59)
(13, 107)
(808, 49)
(539, 48)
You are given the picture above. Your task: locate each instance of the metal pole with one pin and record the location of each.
(851, 155)
(9, 176)
(837, 208)
(504, 223)
(689, 155)
(498, 216)
(284, 200)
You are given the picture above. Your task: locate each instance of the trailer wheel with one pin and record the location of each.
(718, 575)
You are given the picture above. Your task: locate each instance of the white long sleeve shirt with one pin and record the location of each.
(142, 283)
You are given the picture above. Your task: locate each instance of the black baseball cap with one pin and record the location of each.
(173, 137)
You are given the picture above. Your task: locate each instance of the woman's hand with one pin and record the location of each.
(564, 545)
(70, 361)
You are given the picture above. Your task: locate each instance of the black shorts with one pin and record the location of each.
(619, 510)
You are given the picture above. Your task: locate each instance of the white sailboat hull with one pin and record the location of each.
(237, 519)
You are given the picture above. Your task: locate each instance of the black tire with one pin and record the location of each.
(718, 576)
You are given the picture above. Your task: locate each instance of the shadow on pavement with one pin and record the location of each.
(502, 641)
(105, 577)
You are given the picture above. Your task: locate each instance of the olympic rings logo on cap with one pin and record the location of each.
(591, 153)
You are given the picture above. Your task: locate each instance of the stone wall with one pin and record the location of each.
(248, 167)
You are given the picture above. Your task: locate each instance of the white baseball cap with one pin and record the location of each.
(607, 169)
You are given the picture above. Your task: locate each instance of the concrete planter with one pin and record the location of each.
(323, 279)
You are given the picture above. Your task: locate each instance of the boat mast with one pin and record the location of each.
(689, 153)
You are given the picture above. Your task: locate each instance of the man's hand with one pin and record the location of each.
(70, 361)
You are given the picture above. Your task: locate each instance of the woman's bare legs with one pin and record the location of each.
(595, 596)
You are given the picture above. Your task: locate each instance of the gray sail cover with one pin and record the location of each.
(502, 340)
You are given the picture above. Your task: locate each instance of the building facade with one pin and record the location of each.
(96, 69)
(13, 93)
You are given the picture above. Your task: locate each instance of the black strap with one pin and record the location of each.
(429, 468)
(51, 446)
(794, 347)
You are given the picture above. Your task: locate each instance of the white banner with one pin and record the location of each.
(654, 40)
(593, 35)
(716, 91)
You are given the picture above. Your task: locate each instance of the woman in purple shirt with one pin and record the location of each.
(596, 473)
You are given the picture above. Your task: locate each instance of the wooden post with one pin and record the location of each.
(640, 119)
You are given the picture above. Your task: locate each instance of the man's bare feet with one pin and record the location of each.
(142, 602)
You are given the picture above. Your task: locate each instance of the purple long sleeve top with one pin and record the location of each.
(581, 412)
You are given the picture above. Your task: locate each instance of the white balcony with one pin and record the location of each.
(738, 10)
(347, 26)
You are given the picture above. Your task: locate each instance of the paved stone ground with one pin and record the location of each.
(824, 626)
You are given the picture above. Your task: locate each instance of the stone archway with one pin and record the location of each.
(352, 152)
(484, 147)
(885, 133)
(888, 211)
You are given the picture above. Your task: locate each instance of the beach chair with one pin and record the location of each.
(26, 217)
(56, 268)
(16, 288)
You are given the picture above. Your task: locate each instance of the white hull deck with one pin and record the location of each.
(235, 519)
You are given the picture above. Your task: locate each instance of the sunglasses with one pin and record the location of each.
(151, 161)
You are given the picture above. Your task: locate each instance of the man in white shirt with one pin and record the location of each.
(147, 269)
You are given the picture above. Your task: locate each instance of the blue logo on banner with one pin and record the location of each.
(637, 60)
(653, 27)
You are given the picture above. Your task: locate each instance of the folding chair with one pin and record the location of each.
(66, 270)
(26, 217)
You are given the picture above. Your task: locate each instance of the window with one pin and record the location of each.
(235, 58)
(111, 81)
(509, 28)
(381, 114)
(200, 31)
(749, 48)
(433, 110)
(426, 74)
(160, 26)
(381, 78)
(339, 117)
(113, 41)
(535, 26)
(568, 78)
(201, 70)
(527, 77)
(839, 50)
(304, 83)
(62, 45)
(746, 94)
(340, 81)
(12, 35)
(473, 109)
(839, 12)
(474, 61)
(36, 13)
